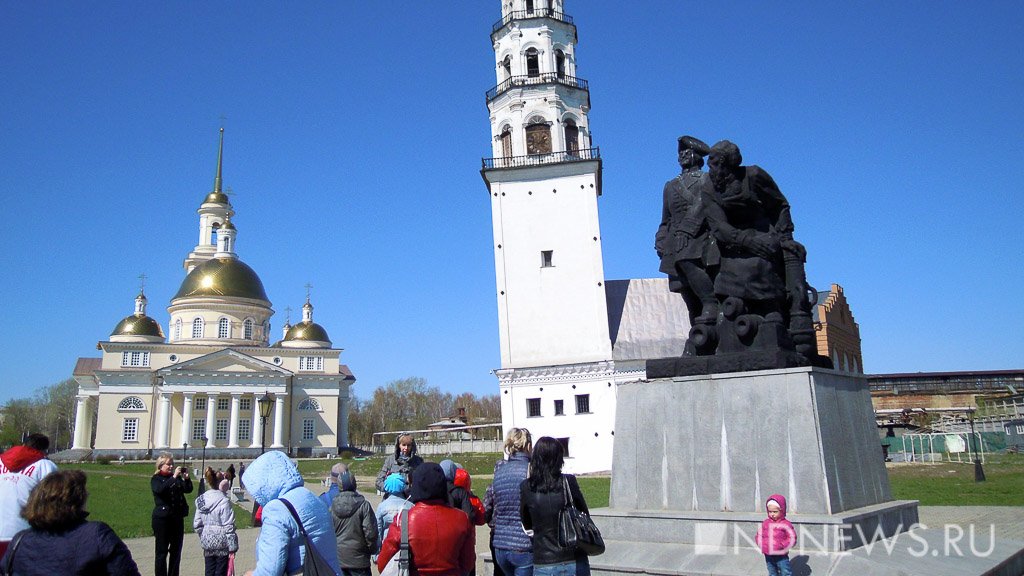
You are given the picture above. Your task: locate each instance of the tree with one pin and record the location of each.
(50, 411)
(410, 404)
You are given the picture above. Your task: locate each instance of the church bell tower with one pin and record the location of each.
(544, 179)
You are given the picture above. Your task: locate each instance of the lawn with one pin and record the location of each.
(952, 484)
(120, 496)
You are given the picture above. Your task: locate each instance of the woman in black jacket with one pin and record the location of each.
(541, 498)
(169, 484)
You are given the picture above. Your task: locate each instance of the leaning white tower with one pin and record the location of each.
(544, 180)
(557, 372)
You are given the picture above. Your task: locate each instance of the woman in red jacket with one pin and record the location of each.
(440, 537)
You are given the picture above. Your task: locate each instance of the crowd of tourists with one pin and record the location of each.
(424, 525)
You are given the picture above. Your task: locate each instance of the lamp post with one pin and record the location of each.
(202, 469)
(979, 472)
(266, 402)
(184, 453)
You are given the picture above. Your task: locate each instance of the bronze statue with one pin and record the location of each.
(732, 228)
(684, 241)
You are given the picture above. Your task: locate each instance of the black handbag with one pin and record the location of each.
(576, 530)
(314, 563)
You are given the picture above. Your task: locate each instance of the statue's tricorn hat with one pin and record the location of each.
(695, 144)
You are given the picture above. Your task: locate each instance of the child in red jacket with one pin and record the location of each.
(776, 536)
(462, 480)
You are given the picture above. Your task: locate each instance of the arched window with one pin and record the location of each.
(223, 328)
(572, 137)
(560, 63)
(532, 63)
(197, 328)
(309, 404)
(247, 329)
(213, 233)
(538, 139)
(177, 329)
(132, 404)
(506, 141)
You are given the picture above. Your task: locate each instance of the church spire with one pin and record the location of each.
(217, 181)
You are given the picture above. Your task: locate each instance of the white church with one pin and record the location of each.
(216, 382)
(568, 336)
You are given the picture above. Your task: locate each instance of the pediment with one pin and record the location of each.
(226, 361)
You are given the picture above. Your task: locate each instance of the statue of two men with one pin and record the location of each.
(728, 234)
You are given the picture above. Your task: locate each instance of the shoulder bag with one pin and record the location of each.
(314, 563)
(398, 565)
(576, 530)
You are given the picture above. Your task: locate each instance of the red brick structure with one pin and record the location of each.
(837, 331)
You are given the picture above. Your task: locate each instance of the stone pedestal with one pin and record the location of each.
(697, 456)
(724, 443)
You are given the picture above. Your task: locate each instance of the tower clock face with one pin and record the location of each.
(538, 140)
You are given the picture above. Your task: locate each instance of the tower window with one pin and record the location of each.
(223, 328)
(572, 138)
(532, 63)
(583, 403)
(529, 6)
(177, 329)
(546, 257)
(560, 63)
(247, 329)
(538, 139)
(197, 328)
(532, 407)
(559, 408)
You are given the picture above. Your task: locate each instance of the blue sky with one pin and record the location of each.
(354, 134)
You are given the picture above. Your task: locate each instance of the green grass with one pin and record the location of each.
(952, 484)
(120, 496)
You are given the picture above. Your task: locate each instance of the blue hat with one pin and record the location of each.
(394, 483)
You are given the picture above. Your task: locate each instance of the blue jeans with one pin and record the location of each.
(514, 562)
(778, 565)
(579, 567)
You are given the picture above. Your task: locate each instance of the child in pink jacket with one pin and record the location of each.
(776, 536)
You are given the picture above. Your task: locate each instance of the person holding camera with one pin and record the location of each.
(170, 483)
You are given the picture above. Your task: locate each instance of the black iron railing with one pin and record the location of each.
(539, 159)
(545, 78)
(527, 14)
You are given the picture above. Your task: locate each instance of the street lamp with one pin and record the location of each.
(979, 472)
(202, 470)
(266, 402)
(184, 454)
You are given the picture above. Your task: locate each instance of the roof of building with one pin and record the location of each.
(86, 366)
(223, 277)
(645, 320)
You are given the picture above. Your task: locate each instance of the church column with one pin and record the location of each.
(343, 422)
(83, 424)
(257, 424)
(278, 421)
(211, 418)
(163, 421)
(236, 398)
(186, 419)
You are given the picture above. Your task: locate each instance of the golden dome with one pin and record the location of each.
(223, 277)
(138, 326)
(216, 197)
(307, 332)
